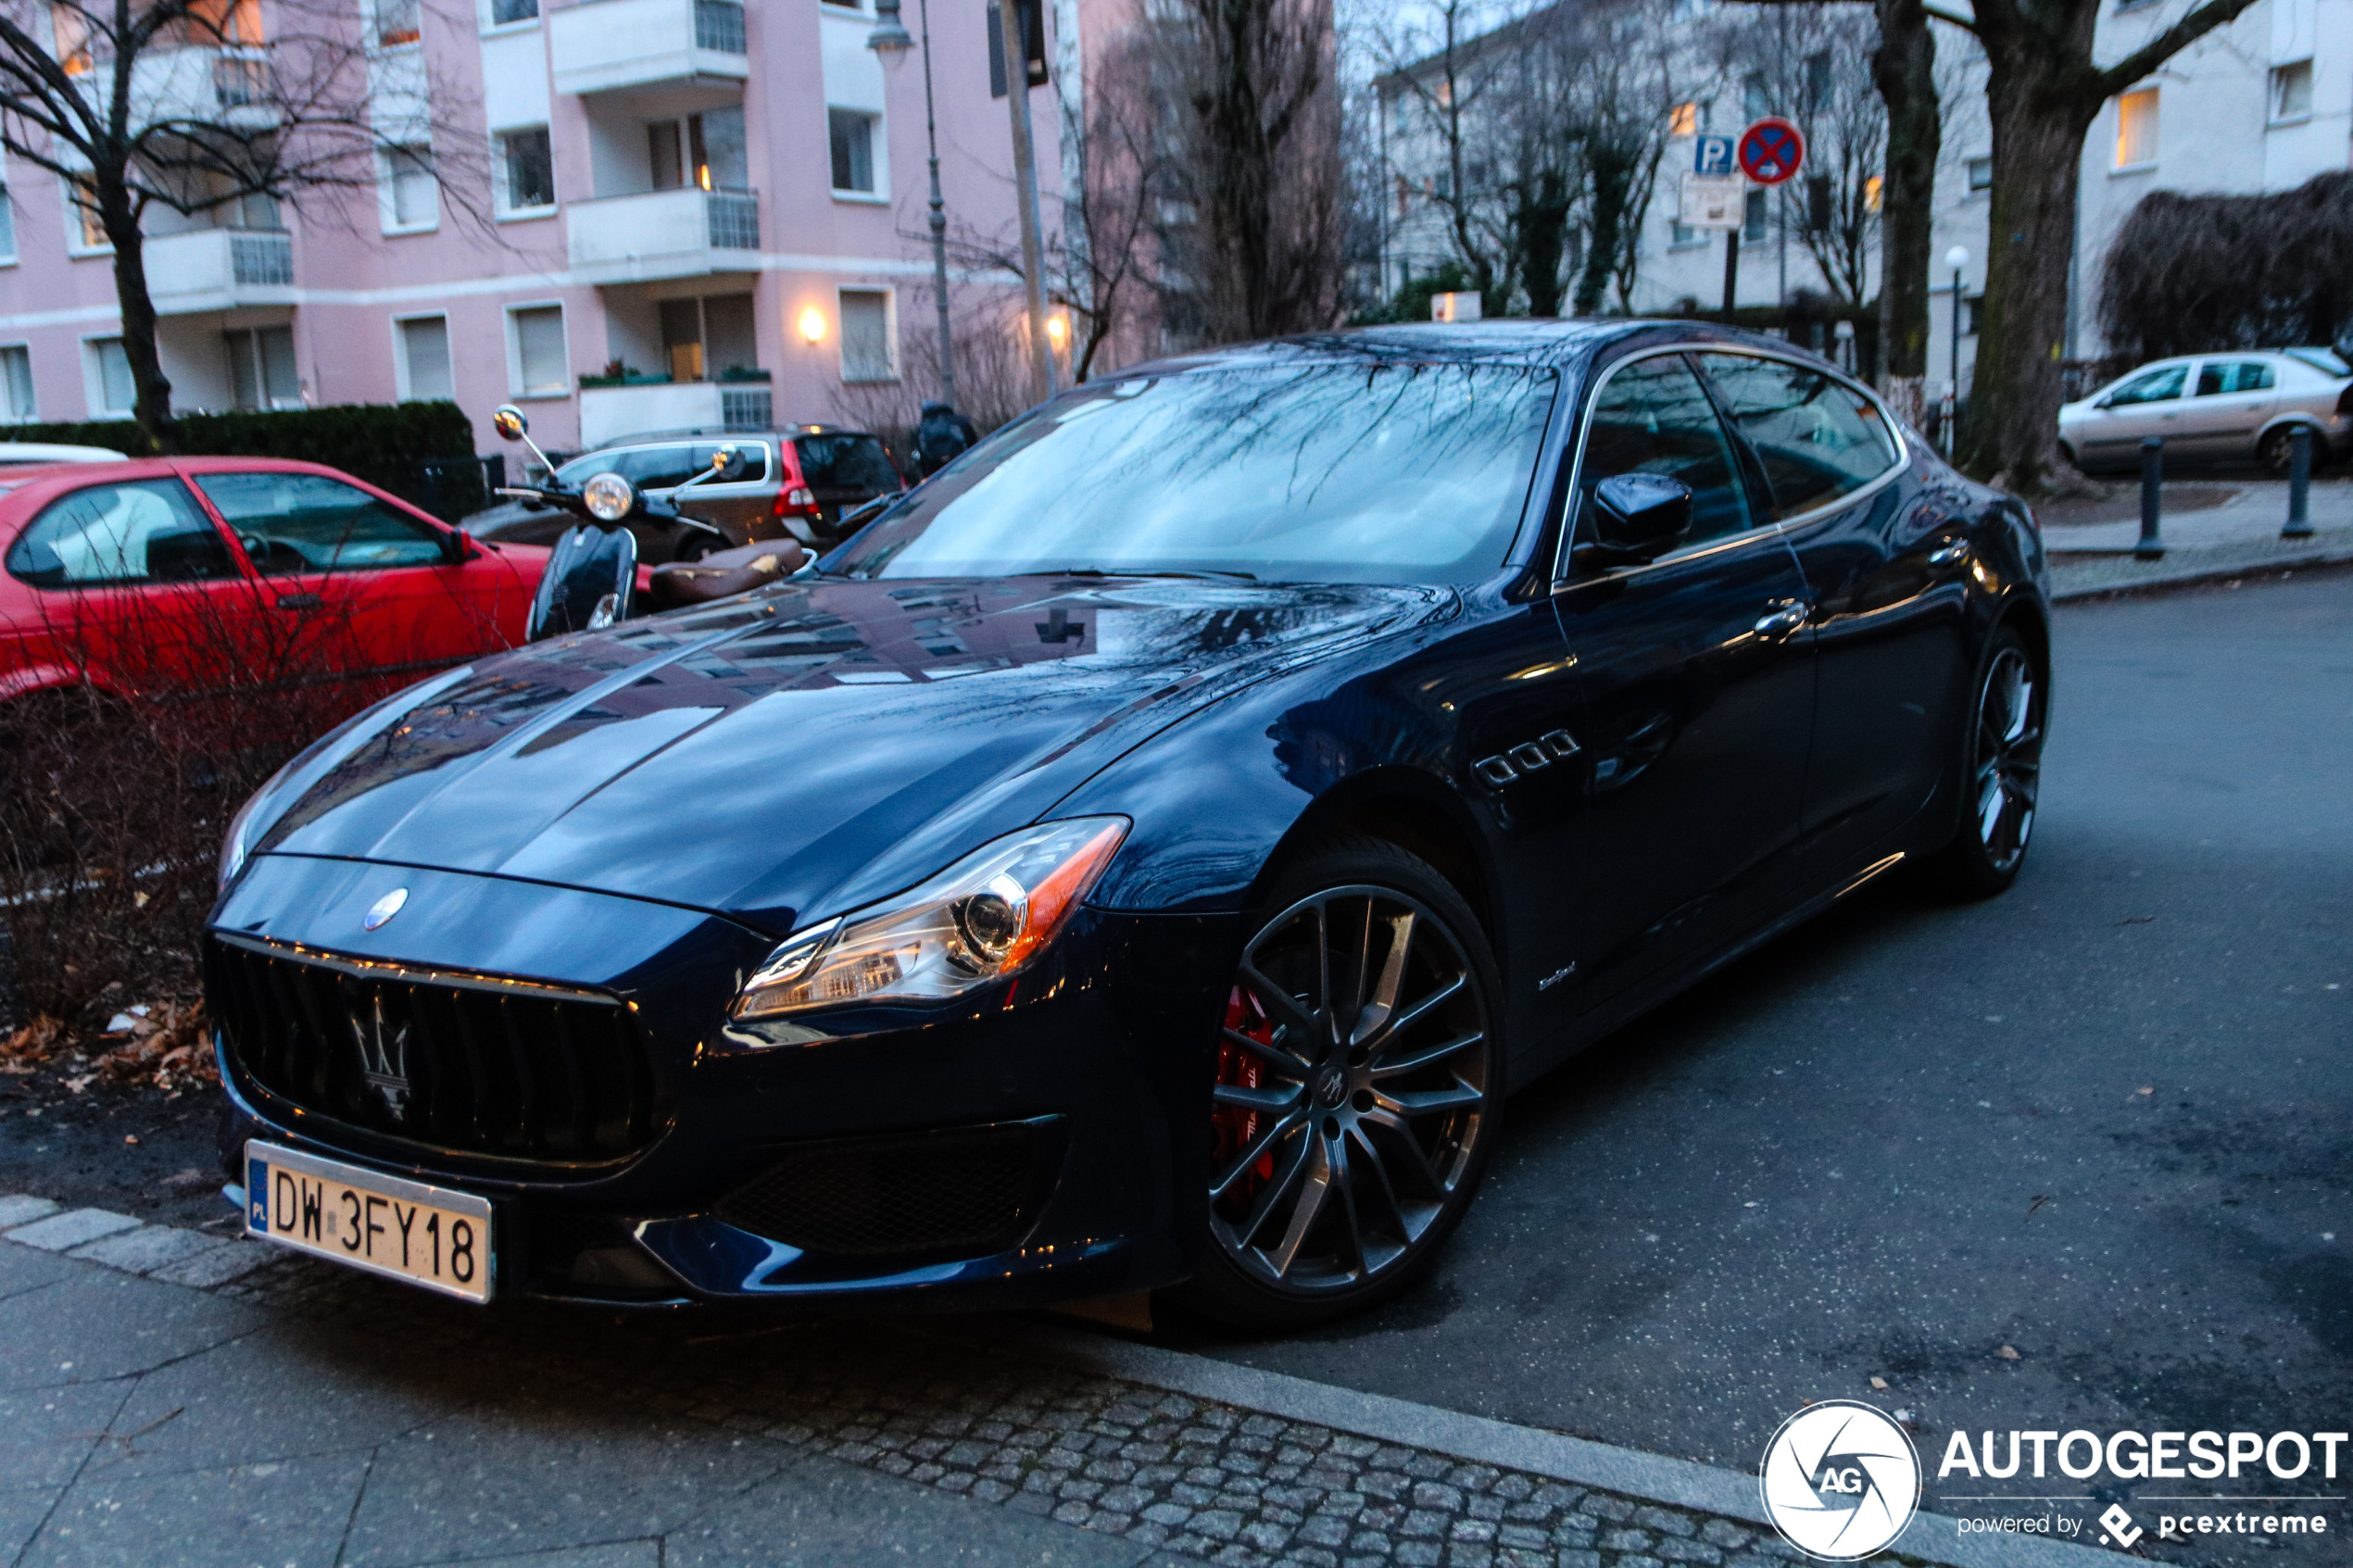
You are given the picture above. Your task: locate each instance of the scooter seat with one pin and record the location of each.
(723, 573)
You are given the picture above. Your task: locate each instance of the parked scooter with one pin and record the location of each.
(591, 578)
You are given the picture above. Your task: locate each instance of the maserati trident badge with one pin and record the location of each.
(383, 909)
(385, 1063)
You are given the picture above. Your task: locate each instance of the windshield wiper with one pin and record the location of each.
(1141, 572)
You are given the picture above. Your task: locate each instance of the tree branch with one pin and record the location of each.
(2200, 21)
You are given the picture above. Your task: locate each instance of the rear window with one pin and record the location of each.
(667, 466)
(845, 462)
(2327, 361)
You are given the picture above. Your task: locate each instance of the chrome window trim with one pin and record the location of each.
(1905, 453)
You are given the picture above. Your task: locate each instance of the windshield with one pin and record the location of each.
(846, 463)
(1334, 473)
(2325, 360)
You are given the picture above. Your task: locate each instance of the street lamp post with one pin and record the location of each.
(889, 38)
(1033, 253)
(1958, 259)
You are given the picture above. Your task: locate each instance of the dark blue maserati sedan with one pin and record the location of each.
(1146, 855)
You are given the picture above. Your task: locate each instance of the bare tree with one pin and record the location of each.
(193, 106)
(1637, 65)
(1439, 74)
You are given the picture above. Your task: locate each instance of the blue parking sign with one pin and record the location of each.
(1712, 155)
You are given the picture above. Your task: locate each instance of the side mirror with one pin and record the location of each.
(1639, 516)
(591, 574)
(509, 423)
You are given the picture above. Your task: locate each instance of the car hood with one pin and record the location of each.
(800, 752)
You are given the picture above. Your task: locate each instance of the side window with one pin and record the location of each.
(2157, 386)
(2216, 377)
(296, 522)
(149, 531)
(1816, 437)
(1654, 417)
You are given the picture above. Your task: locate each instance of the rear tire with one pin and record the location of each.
(1357, 1090)
(2001, 771)
(2276, 451)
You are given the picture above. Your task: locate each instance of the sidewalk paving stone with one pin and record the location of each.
(292, 1513)
(220, 1264)
(22, 1511)
(612, 1554)
(46, 1435)
(19, 1210)
(148, 1248)
(96, 1324)
(62, 1233)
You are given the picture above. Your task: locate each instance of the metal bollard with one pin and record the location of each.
(2299, 485)
(2152, 486)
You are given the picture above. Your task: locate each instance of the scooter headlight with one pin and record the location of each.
(609, 497)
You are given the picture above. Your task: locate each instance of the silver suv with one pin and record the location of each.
(2232, 407)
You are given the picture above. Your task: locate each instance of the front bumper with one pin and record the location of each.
(778, 1166)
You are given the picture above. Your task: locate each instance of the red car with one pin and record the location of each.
(163, 574)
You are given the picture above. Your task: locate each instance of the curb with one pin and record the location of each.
(2183, 567)
(1930, 1537)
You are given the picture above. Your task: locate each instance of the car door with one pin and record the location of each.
(1885, 558)
(365, 586)
(2229, 401)
(2151, 404)
(132, 585)
(1696, 688)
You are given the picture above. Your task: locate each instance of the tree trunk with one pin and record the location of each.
(2040, 112)
(1904, 68)
(1541, 224)
(1613, 182)
(153, 407)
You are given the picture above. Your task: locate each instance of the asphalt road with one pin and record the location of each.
(2105, 1120)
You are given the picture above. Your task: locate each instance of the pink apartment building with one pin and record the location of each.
(731, 194)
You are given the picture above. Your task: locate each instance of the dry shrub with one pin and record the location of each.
(2187, 274)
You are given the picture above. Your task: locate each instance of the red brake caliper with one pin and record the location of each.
(1234, 1126)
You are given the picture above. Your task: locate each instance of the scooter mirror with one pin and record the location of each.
(587, 584)
(726, 464)
(509, 423)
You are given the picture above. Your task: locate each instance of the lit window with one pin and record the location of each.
(1980, 174)
(1873, 189)
(852, 134)
(1683, 121)
(2292, 92)
(88, 232)
(541, 365)
(398, 22)
(71, 26)
(529, 170)
(2136, 129)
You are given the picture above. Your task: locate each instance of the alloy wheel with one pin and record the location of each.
(2009, 757)
(1353, 1070)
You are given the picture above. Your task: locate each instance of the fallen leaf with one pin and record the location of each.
(2146, 1089)
(2007, 1352)
(1878, 1382)
(131, 1137)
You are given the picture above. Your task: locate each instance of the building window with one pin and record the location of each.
(502, 12)
(1033, 38)
(410, 198)
(852, 132)
(16, 384)
(398, 22)
(262, 367)
(1874, 189)
(1682, 236)
(70, 27)
(117, 393)
(84, 233)
(542, 366)
(424, 360)
(528, 168)
(1753, 218)
(869, 348)
(710, 151)
(2136, 129)
(1683, 121)
(2292, 92)
(7, 226)
(1980, 174)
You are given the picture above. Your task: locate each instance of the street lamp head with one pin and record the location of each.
(1958, 257)
(888, 37)
(812, 326)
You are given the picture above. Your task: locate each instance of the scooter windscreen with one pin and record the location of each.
(590, 576)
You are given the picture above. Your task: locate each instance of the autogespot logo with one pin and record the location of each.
(1840, 1480)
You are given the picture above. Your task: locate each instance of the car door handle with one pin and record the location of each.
(1951, 555)
(1782, 622)
(299, 601)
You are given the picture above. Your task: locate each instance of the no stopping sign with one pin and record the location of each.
(1771, 150)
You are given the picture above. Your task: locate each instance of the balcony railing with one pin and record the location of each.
(261, 260)
(205, 269)
(678, 234)
(647, 45)
(240, 78)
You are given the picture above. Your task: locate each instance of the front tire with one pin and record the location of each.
(2002, 770)
(1356, 1091)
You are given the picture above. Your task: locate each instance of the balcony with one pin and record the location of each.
(215, 87)
(218, 270)
(635, 46)
(609, 414)
(656, 234)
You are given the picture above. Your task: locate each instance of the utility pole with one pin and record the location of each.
(889, 38)
(1033, 259)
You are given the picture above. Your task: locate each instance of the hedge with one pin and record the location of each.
(404, 447)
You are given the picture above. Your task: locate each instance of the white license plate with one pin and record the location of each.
(428, 1235)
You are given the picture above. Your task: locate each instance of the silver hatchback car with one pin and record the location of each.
(2234, 406)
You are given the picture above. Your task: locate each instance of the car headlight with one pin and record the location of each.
(608, 497)
(978, 920)
(240, 839)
